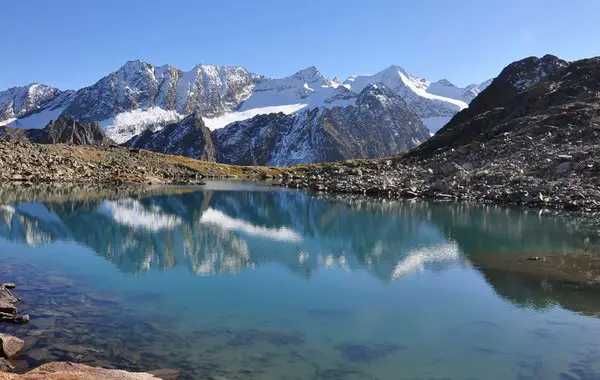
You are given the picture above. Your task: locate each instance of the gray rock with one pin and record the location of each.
(563, 168)
(10, 345)
(5, 366)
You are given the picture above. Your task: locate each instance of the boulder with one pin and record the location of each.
(10, 345)
(451, 169)
(563, 168)
(74, 371)
(5, 365)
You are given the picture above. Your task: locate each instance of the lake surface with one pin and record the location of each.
(246, 281)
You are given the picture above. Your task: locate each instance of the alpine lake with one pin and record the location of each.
(249, 281)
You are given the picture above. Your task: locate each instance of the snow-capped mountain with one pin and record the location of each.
(435, 103)
(140, 96)
(378, 123)
(22, 107)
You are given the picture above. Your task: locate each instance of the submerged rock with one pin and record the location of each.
(8, 308)
(366, 353)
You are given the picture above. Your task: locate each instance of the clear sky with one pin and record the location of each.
(73, 43)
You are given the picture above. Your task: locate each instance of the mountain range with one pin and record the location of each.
(248, 118)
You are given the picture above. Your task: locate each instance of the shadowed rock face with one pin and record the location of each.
(189, 138)
(64, 130)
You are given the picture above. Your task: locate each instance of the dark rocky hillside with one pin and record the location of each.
(64, 130)
(189, 138)
(509, 100)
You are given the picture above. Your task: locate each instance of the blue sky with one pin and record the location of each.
(72, 43)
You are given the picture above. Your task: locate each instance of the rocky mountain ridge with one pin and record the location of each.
(378, 124)
(139, 96)
(65, 130)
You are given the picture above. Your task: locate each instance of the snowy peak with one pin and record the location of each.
(139, 95)
(378, 96)
(310, 75)
(444, 83)
(472, 90)
(21, 101)
(447, 89)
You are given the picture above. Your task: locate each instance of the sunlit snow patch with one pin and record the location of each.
(212, 216)
(222, 121)
(34, 121)
(132, 213)
(128, 124)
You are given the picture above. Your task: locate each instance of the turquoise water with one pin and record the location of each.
(242, 281)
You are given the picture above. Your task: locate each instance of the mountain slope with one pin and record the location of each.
(161, 94)
(379, 124)
(64, 130)
(32, 106)
(435, 103)
(189, 138)
(500, 102)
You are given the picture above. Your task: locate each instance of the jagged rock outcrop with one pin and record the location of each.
(189, 138)
(207, 89)
(64, 130)
(379, 124)
(252, 142)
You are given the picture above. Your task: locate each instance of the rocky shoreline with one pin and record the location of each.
(567, 181)
(29, 164)
(11, 347)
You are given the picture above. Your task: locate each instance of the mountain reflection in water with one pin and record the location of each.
(224, 230)
(245, 281)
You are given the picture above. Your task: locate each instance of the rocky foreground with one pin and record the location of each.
(531, 138)
(74, 371)
(27, 163)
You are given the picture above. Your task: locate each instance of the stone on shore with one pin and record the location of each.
(74, 371)
(5, 366)
(10, 345)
